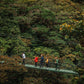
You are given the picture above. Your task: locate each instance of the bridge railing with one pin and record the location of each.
(63, 66)
(52, 64)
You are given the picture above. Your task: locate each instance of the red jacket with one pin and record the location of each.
(36, 59)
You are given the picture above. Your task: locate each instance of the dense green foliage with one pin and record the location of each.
(50, 27)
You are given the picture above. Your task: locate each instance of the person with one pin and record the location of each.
(36, 60)
(23, 56)
(41, 61)
(56, 62)
(47, 61)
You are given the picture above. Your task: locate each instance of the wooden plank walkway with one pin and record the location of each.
(51, 69)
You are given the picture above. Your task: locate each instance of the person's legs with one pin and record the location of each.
(42, 64)
(56, 66)
(46, 64)
(35, 63)
(23, 61)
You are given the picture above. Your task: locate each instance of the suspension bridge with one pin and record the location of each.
(49, 69)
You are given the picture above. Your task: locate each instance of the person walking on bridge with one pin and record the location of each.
(23, 56)
(36, 60)
(41, 61)
(56, 62)
(47, 61)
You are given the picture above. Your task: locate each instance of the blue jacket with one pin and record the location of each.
(42, 59)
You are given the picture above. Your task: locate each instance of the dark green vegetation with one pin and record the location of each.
(51, 27)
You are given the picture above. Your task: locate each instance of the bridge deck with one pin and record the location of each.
(49, 69)
(52, 69)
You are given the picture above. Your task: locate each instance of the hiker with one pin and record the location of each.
(23, 56)
(56, 62)
(41, 61)
(36, 60)
(47, 61)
